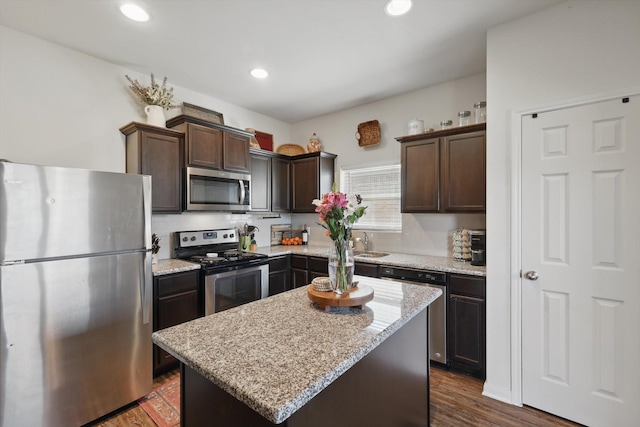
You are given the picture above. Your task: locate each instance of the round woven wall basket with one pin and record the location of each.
(368, 133)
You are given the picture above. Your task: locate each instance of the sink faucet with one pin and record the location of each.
(364, 240)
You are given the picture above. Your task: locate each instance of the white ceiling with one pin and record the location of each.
(322, 55)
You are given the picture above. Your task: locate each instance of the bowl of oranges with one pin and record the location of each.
(289, 241)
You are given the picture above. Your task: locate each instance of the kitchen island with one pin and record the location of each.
(281, 360)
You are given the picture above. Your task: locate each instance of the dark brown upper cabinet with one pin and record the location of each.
(280, 184)
(312, 175)
(444, 171)
(213, 146)
(157, 151)
(270, 181)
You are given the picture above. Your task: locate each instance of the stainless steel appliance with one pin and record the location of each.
(75, 294)
(478, 247)
(437, 309)
(214, 190)
(229, 277)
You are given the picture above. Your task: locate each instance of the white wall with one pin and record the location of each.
(428, 234)
(573, 50)
(61, 107)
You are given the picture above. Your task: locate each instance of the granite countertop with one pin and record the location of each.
(424, 262)
(170, 266)
(277, 353)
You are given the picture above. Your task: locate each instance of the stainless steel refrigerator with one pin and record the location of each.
(75, 293)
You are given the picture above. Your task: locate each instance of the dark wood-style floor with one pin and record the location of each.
(456, 400)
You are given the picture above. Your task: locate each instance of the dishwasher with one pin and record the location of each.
(437, 309)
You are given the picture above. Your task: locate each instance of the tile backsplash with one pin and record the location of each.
(424, 234)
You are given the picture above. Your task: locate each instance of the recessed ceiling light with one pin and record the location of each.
(259, 73)
(134, 12)
(397, 7)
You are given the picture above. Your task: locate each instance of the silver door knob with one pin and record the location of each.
(531, 275)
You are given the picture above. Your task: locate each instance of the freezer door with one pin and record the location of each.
(75, 338)
(50, 212)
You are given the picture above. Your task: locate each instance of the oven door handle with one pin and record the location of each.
(242, 193)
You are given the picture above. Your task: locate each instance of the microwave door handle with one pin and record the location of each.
(242, 194)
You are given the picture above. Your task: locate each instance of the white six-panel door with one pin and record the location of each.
(581, 238)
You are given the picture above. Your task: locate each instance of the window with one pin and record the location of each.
(379, 188)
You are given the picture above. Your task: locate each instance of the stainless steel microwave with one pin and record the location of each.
(214, 190)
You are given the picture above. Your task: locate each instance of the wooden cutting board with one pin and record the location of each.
(357, 298)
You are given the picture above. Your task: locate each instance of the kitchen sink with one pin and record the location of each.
(369, 254)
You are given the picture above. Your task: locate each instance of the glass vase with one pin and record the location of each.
(341, 266)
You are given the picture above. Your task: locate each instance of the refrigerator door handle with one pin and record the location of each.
(145, 288)
(146, 203)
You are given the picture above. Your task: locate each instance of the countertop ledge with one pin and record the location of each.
(277, 353)
(170, 266)
(423, 262)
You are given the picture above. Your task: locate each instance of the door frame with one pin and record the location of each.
(515, 267)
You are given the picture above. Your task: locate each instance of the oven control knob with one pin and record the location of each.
(193, 238)
(225, 236)
(185, 239)
(231, 235)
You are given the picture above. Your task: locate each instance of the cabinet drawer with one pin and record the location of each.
(299, 261)
(467, 285)
(177, 283)
(278, 264)
(365, 269)
(318, 265)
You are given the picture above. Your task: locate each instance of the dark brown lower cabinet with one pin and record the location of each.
(306, 268)
(466, 324)
(279, 275)
(176, 299)
(299, 271)
(318, 267)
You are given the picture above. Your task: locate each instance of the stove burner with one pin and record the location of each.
(206, 259)
(225, 257)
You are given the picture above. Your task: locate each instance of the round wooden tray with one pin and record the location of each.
(358, 297)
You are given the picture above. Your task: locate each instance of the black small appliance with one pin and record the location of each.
(478, 247)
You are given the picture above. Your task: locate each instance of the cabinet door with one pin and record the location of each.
(420, 176)
(173, 311)
(463, 173)
(466, 324)
(279, 275)
(280, 185)
(306, 187)
(279, 281)
(204, 146)
(176, 300)
(236, 152)
(260, 183)
(299, 277)
(160, 157)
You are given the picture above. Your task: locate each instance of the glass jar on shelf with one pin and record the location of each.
(464, 118)
(480, 112)
(446, 124)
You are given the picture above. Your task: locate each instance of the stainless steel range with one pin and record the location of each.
(230, 277)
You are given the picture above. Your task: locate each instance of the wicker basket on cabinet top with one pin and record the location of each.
(290, 149)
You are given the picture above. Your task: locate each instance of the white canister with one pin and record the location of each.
(416, 126)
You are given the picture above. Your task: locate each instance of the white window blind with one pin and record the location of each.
(379, 188)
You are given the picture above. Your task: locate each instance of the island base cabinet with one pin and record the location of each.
(388, 387)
